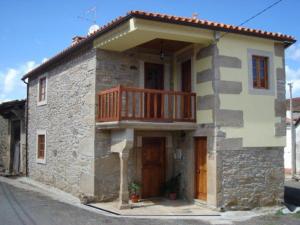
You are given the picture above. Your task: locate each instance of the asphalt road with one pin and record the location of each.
(24, 207)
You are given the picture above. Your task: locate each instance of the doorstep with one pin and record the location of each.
(157, 207)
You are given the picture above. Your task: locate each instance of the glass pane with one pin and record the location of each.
(41, 146)
(262, 68)
(254, 75)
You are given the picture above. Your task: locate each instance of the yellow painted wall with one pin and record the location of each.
(258, 110)
(202, 89)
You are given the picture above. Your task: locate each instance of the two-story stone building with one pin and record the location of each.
(149, 96)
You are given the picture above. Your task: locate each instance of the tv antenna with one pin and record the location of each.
(195, 15)
(90, 15)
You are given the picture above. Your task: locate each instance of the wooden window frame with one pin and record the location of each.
(257, 83)
(41, 160)
(44, 100)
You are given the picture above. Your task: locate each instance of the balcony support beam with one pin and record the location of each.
(122, 142)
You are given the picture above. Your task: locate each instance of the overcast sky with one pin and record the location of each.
(32, 31)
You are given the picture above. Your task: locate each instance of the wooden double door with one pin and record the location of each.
(153, 166)
(200, 144)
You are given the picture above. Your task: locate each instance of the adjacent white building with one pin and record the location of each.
(288, 148)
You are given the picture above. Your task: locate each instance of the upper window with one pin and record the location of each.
(41, 147)
(42, 90)
(260, 72)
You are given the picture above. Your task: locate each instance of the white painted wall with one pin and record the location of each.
(288, 149)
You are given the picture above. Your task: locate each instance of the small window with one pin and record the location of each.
(41, 147)
(42, 89)
(260, 72)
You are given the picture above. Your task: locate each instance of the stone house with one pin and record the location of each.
(150, 96)
(12, 138)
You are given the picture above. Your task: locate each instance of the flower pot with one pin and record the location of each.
(134, 198)
(173, 196)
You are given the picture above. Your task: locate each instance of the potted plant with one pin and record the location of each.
(134, 187)
(172, 187)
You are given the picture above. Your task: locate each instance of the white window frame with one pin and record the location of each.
(44, 102)
(41, 132)
(271, 78)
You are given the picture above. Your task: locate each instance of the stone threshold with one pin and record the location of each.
(140, 125)
(156, 207)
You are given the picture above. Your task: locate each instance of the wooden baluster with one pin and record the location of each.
(104, 106)
(148, 105)
(141, 104)
(120, 103)
(116, 104)
(195, 108)
(99, 107)
(133, 104)
(108, 105)
(126, 106)
(170, 111)
(182, 107)
(188, 97)
(113, 105)
(155, 105)
(175, 100)
(162, 111)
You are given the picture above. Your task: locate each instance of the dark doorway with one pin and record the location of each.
(15, 146)
(154, 79)
(186, 86)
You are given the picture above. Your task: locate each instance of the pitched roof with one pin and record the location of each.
(6, 107)
(167, 19)
(296, 104)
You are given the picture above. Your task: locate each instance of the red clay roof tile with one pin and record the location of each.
(169, 19)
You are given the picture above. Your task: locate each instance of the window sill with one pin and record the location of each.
(41, 161)
(260, 88)
(41, 103)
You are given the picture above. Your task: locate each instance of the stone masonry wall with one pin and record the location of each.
(3, 141)
(69, 121)
(251, 177)
(113, 68)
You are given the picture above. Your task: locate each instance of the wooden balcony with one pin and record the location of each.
(146, 105)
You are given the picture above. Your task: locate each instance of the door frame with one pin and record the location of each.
(195, 166)
(164, 150)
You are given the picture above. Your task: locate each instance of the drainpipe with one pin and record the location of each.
(293, 144)
(26, 129)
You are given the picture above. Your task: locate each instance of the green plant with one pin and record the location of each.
(134, 187)
(297, 215)
(172, 185)
(279, 213)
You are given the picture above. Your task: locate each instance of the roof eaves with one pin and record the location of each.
(214, 26)
(288, 40)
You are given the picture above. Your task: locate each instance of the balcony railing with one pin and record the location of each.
(129, 103)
